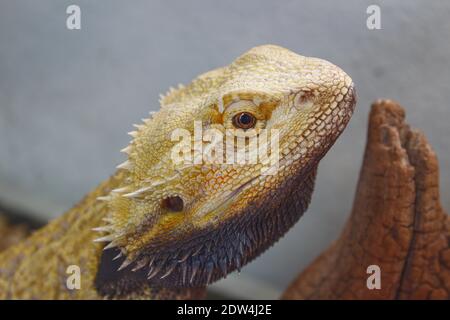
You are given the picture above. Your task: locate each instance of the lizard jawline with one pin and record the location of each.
(208, 255)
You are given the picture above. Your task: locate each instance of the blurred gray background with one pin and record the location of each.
(67, 98)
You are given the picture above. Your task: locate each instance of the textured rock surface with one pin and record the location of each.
(397, 223)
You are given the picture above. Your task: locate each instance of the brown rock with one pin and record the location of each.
(397, 223)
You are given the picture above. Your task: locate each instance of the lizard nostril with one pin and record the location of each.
(174, 203)
(304, 100)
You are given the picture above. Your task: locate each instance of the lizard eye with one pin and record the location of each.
(244, 120)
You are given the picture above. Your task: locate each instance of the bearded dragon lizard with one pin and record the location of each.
(162, 230)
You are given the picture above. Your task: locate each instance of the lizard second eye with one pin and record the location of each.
(244, 120)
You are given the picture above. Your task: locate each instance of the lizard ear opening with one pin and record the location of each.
(174, 204)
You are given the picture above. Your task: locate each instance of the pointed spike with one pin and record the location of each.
(125, 264)
(118, 256)
(133, 133)
(140, 264)
(194, 271)
(138, 126)
(150, 264)
(125, 165)
(132, 195)
(247, 241)
(110, 245)
(238, 262)
(241, 248)
(183, 272)
(120, 190)
(126, 150)
(104, 198)
(185, 257)
(105, 239)
(153, 272)
(102, 229)
(150, 270)
(198, 250)
(156, 183)
(169, 271)
(137, 193)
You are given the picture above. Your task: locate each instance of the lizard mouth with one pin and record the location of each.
(221, 204)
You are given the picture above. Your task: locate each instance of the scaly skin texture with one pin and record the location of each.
(172, 228)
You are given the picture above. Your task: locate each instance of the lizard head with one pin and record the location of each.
(187, 212)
